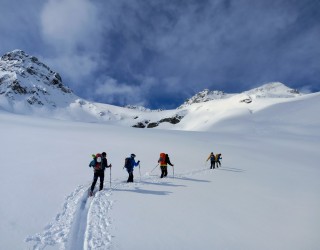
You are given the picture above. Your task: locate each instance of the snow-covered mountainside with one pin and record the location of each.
(204, 96)
(25, 79)
(28, 86)
(273, 90)
(269, 90)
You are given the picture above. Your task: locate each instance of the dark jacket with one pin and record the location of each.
(104, 164)
(168, 160)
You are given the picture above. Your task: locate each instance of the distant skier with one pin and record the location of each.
(212, 160)
(217, 160)
(164, 160)
(99, 164)
(129, 164)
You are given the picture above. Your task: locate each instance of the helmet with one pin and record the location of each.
(133, 155)
(104, 154)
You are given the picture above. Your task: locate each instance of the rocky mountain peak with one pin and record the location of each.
(203, 96)
(25, 78)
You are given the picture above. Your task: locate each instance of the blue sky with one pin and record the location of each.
(157, 53)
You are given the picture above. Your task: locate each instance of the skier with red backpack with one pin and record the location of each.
(99, 164)
(164, 160)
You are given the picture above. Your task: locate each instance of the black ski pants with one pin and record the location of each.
(212, 164)
(218, 163)
(130, 178)
(98, 174)
(164, 171)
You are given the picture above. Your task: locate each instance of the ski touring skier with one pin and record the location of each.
(99, 164)
(217, 160)
(164, 160)
(129, 164)
(212, 160)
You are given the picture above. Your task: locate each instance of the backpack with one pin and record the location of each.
(218, 157)
(212, 157)
(98, 161)
(162, 159)
(127, 163)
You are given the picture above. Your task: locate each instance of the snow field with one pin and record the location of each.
(265, 196)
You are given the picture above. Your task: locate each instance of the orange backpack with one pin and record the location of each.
(162, 159)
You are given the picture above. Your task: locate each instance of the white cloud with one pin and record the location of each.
(76, 67)
(67, 24)
(113, 91)
(74, 32)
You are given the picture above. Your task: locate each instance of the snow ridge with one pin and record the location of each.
(273, 90)
(59, 230)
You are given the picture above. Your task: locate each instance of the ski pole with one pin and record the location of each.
(139, 172)
(173, 171)
(154, 168)
(110, 175)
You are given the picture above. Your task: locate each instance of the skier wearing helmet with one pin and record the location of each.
(130, 163)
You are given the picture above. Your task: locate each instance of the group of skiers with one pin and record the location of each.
(214, 160)
(100, 163)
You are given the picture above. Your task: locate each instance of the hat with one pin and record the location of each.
(133, 155)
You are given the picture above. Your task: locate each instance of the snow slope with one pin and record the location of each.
(265, 195)
(28, 86)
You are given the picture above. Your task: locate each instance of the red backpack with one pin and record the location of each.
(98, 160)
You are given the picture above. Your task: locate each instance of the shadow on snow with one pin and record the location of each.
(144, 191)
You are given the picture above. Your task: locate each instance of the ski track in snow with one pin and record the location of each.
(84, 223)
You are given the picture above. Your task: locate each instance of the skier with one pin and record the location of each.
(130, 163)
(212, 160)
(99, 164)
(217, 159)
(164, 160)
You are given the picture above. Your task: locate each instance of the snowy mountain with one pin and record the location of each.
(273, 90)
(24, 79)
(264, 196)
(269, 90)
(28, 86)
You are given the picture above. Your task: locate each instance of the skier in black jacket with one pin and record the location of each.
(99, 163)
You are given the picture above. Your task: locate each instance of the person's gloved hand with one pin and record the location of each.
(138, 162)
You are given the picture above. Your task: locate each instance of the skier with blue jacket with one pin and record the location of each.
(130, 163)
(212, 160)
